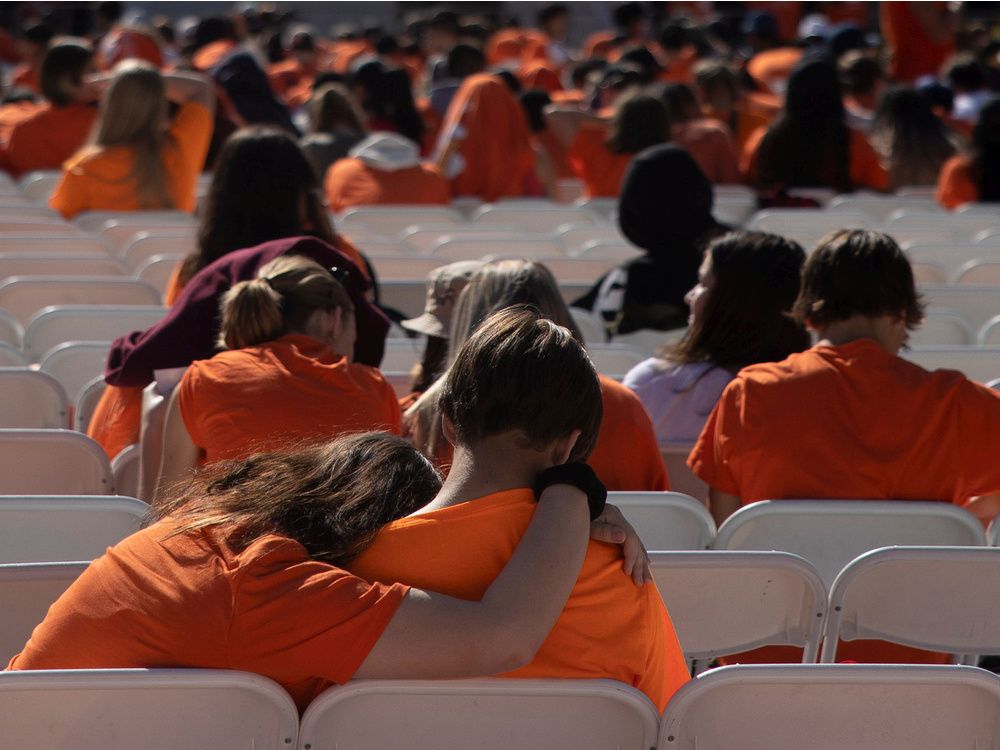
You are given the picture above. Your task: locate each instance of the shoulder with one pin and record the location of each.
(646, 371)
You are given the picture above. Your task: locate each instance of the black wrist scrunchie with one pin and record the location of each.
(579, 475)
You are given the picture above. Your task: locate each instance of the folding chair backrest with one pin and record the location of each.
(59, 244)
(406, 295)
(977, 303)
(879, 208)
(405, 267)
(97, 221)
(58, 528)
(989, 334)
(125, 470)
(813, 220)
(11, 330)
(573, 237)
(579, 270)
(590, 325)
(38, 186)
(666, 520)
(27, 590)
(52, 462)
(392, 220)
(401, 354)
(943, 328)
(457, 248)
(75, 364)
(726, 602)
(157, 709)
(948, 256)
(936, 598)
(831, 533)
(60, 324)
(485, 714)
(615, 360)
(23, 296)
(682, 479)
(32, 399)
(833, 707)
(980, 363)
(146, 245)
(983, 271)
(56, 264)
(541, 219)
(158, 270)
(86, 403)
(11, 356)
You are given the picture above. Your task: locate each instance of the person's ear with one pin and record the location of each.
(562, 449)
(448, 429)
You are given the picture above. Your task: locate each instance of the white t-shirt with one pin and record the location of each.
(678, 398)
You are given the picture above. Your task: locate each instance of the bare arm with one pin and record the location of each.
(180, 454)
(722, 505)
(437, 636)
(190, 87)
(565, 122)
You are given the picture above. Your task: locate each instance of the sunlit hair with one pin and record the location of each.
(911, 140)
(134, 115)
(332, 108)
(281, 300)
(332, 498)
(639, 121)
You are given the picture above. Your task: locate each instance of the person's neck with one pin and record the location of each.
(494, 464)
(858, 327)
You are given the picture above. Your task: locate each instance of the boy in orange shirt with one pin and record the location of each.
(515, 403)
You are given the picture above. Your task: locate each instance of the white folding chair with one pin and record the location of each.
(38, 186)
(53, 462)
(97, 221)
(723, 603)
(833, 707)
(155, 709)
(60, 264)
(989, 334)
(794, 222)
(456, 248)
(406, 295)
(617, 250)
(86, 403)
(146, 245)
(879, 208)
(947, 257)
(60, 324)
(38, 528)
(125, 469)
(929, 273)
(573, 236)
(423, 237)
(943, 328)
(11, 331)
(981, 271)
(60, 243)
(391, 220)
(485, 714)
(23, 296)
(682, 479)
(831, 533)
(980, 363)
(615, 360)
(977, 303)
(734, 211)
(27, 590)
(590, 325)
(544, 219)
(158, 270)
(648, 340)
(75, 364)
(11, 356)
(666, 520)
(405, 267)
(372, 248)
(401, 354)
(935, 598)
(31, 399)
(580, 270)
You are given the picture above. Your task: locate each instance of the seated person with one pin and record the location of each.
(57, 130)
(740, 307)
(243, 569)
(522, 396)
(287, 375)
(848, 418)
(974, 177)
(384, 168)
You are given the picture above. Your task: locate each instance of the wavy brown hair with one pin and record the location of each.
(332, 498)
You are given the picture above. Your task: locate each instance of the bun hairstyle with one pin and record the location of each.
(286, 292)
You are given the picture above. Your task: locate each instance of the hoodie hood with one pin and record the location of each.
(388, 152)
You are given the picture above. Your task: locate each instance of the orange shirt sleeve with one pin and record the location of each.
(187, 402)
(979, 425)
(955, 184)
(866, 169)
(191, 131)
(71, 195)
(709, 457)
(116, 421)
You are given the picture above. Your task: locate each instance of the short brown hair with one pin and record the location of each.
(639, 121)
(63, 66)
(857, 272)
(522, 372)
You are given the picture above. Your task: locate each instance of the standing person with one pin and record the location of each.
(740, 315)
(244, 569)
(912, 141)
(974, 177)
(520, 398)
(137, 160)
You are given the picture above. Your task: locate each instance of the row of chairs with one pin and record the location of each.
(787, 707)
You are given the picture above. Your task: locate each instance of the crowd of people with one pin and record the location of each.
(303, 516)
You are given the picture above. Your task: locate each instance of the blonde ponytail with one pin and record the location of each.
(251, 315)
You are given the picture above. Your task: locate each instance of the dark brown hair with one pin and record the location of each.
(332, 107)
(747, 311)
(522, 372)
(857, 272)
(639, 121)
(63, 66)
(331, 498)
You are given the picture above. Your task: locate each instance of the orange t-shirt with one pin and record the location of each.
(772, 67)
(117, 419)
(851, 421)
(191, 600)
(13, 114)
(866, 171)
(264, 397)
(100, 180)
(48, 137)
(609, 628)
(350, 182)
(600, 168)
(712, 147)
(956, 184)
(912, 53)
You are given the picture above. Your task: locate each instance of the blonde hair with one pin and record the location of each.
(286, 292)
(133, 113)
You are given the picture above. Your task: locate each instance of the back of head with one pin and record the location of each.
(134, 110)
(910, 136)
(465, 60)
(285, 294)
(639, 121)
(522, 373)
(332, 498)
(813, 95)
(746, 318)
(65, 63)
(860, 74)
(965, 73)
(679, 101)
(857, 272)
(644, 61)
(628, 14)
(332, 108)
(718, 85)
(665, 198)
(261, 186)
(986, 150)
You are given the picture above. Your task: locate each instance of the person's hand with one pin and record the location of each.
(612, 527)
